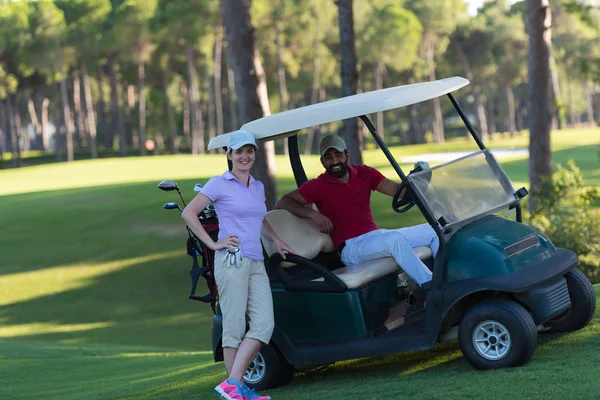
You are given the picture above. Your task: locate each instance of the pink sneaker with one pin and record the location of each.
(227, 391)
(251, 395)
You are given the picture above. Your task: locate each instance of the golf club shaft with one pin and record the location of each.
(181, 197)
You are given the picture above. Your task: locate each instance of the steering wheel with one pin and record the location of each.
(407, 202)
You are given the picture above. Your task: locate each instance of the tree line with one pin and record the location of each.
(94, 78)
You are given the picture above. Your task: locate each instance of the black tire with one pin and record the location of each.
(513, 335)
(269, 369)
(583, 304)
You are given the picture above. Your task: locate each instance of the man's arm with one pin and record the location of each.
(297, 205)
(389, 187)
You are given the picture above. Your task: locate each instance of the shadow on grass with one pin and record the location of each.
(60, 285)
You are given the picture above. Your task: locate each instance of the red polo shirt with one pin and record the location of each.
(347, 205)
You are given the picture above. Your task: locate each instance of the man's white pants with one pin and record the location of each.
(397, 243)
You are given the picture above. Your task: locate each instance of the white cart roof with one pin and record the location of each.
(288, 122)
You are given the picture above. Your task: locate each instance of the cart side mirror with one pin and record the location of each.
(521, 193)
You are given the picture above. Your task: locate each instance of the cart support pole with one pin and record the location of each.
(297, 168)
(467, 122)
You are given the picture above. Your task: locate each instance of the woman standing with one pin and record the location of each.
(240, 273)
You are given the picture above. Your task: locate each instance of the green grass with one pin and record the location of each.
(94, 284)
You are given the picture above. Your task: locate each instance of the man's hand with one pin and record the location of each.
(322, 222)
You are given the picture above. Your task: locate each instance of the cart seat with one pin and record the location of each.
(307, 241)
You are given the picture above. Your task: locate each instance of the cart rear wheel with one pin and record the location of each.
(269, 369)
(497, 334)
(583, 304)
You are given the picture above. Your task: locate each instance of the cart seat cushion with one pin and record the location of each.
(358, 275)
(301, 234)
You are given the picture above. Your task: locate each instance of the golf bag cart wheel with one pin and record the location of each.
(583, 304)
(497, 334)
(268, 370)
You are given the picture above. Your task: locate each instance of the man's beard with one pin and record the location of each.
(339, 173)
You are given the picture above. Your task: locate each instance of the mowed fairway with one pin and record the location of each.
(94, 284)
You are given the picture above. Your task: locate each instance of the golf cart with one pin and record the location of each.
(496, 282)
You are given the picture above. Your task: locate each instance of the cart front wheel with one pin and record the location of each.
(583, 304)
(269, 369)
(497, 334)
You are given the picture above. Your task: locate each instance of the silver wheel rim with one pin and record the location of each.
(256, 370)
(492, 340)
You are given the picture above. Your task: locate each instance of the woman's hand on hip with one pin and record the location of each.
(230, 242)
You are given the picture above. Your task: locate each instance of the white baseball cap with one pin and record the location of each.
(238, 139)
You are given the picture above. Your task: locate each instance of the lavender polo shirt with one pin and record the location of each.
(240, 210)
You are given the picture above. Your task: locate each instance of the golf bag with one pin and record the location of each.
(195, 249)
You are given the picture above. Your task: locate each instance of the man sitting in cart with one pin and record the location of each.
(342, 194)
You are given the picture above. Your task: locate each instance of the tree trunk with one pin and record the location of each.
(131, 133)
(58, 120)
(379, 86)
(349, 75)
(195, 110)
(597, 102)
(211, 103)
(479, 109)
(142, 105)
(12, 132)
(414, 132)
(102, 131)
(118, 122)
(19, 127)
(521, 111)
(413, 124)
(79, 134)
(437, 124)
(169, 112)
(489, 101)
(35, 122)
(281, 81)
(570, 112)
(558, 103)
(89, 105)
(319, 132)
(233, 106)
(510, 104)
(218, 63)
(65, 103)
(316, 80)
(44, 124)
(250, 83)
(3, 132)
(539, 21)
(186, 115)
(589, 103)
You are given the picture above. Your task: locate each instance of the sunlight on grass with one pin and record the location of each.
(28, 285)
(37, 328)
(163, 354)
(88, 173)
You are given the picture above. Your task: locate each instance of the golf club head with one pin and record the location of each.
(168, 185)
(171, 206)
(198, 187)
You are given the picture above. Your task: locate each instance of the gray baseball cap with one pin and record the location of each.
(239, 139)
(332, 141)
